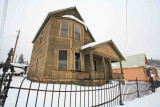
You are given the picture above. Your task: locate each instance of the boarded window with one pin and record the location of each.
(77, 62)
(62, 59)
(77, 32)
(64, 29)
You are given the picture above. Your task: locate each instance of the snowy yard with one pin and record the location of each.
(68, 99)
(152, 100)
(63, 99)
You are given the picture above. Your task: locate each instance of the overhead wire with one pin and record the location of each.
(15, 36)
(3, 23)
(126, 29)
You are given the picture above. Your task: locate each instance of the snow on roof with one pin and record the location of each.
(92, 44)
(73, 17)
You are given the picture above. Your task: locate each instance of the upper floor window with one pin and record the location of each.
(62, 59)
(64, 29)
(77, 32)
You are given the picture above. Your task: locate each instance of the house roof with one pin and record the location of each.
(132, 61)
(56, 12)
(99, 44)
(93, 44)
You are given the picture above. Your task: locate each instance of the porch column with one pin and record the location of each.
(121, 69)
(110, 70)
(91, 65)
(104, 66)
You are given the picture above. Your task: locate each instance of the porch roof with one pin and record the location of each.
(97, 45)
(92, 44)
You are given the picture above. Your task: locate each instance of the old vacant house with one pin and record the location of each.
(137, 66)
(65, 50)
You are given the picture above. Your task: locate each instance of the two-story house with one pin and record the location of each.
(65, 50)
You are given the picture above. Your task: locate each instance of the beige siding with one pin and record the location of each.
(108, 51)
(39, 49)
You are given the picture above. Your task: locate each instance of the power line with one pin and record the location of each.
(3, 23)
(12, 35)
(6, 37)
(126, 29)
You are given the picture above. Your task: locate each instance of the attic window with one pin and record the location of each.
(77, 32)
(64, 29)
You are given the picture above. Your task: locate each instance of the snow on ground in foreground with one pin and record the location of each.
(85, 97)
(151, 100)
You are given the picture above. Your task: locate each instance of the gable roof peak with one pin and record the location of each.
(67, 9)
(56, 13)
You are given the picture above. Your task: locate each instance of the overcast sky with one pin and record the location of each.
(106, 19)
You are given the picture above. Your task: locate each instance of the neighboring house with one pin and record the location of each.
(65, 50)
(137, 66)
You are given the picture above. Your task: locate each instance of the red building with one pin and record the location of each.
(136, 66)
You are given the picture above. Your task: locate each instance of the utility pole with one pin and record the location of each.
(15, 46)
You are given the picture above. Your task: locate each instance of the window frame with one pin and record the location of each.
(79, 61)
(75, 32)
(63, 29)
(59, 60)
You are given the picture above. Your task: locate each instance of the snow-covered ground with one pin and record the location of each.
(152, 100)
(68, 99)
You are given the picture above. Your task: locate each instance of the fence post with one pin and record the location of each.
(6, 79)
(152, 84)
(120, 101)
(137, 88)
